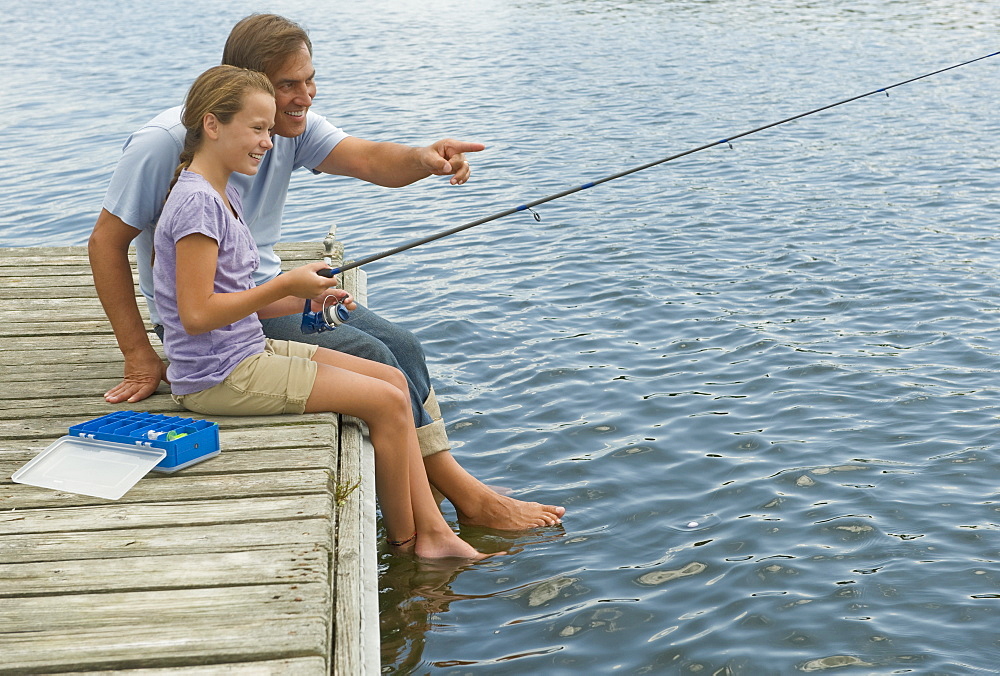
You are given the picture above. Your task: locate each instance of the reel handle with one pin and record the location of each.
(327, 319)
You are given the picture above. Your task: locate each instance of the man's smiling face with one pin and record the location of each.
(295, 87)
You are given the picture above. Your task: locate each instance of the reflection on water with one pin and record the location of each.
(415, 594)
(792, 342)
(411, 594)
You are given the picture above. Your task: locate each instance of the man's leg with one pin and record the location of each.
(433, 437)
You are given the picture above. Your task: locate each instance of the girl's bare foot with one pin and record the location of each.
(445, 544)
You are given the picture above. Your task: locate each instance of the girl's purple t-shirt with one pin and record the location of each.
(203, 361)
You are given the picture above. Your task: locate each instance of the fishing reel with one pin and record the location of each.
(327, 319)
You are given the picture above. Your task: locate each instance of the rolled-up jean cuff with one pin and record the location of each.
(432, 438)
(431, 405)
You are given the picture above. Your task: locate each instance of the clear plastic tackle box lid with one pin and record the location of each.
(101, 469)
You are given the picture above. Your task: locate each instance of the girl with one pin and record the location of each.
(220, 362)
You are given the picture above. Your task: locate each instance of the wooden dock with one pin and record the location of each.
(253, 562)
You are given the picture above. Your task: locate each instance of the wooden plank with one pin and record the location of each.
(67, 389)
(72, 612)
(14, 289)
(129, 542)
(356, 556)
(290, 564)
(82, 408)
(51, 311)
(163, 488)
(370, 625)
(306, 666)
(347, 579)
(45, 343)
(243, 633)
(115, 516)
(48, 271)
(22, 329)
(368, 528)
(104, 364)
(18, 414)
(32, 255)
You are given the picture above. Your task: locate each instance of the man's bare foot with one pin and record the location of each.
(504, 513)
(478, 505)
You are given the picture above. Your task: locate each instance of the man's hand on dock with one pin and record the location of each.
(142, 377)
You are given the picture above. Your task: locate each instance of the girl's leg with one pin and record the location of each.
(378, 394)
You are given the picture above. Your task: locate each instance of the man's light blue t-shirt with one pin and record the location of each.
(150, 156)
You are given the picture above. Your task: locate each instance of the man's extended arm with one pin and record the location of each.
(394, 165)
(108, 248)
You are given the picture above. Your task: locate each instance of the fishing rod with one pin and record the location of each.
(349, 265)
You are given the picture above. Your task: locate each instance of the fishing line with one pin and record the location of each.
(727, 141)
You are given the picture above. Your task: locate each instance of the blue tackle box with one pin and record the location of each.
(185, 440)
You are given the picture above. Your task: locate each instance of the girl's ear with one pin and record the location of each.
(210, 123)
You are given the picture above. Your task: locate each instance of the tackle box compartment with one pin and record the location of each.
(186, 440)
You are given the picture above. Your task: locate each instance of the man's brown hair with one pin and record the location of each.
(263, 42)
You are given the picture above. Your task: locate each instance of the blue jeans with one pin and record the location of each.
(369, 336)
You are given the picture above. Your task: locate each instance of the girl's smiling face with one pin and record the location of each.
(244, 140)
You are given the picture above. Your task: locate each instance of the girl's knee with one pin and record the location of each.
(399, 381)
(392, 376)
(394, 409)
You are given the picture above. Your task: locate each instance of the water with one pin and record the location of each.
(792, 343)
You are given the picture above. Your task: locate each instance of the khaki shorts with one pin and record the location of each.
(278, 380)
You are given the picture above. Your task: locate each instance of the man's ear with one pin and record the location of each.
(211, 125)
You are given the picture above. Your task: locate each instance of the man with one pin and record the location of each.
(282, 50)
